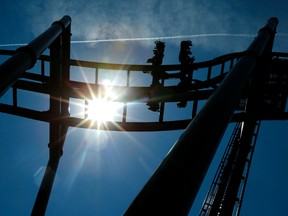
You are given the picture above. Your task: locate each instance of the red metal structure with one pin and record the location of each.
(249, 87)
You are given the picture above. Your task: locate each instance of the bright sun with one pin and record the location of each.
(103, 108)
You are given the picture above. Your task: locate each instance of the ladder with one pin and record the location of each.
(217, 192)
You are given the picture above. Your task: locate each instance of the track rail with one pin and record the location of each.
(211, 74)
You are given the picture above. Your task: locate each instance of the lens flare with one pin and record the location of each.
(103, 108)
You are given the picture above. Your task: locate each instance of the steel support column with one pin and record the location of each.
(59, 77)
(254, 102)
(227, 196)
(173, 187)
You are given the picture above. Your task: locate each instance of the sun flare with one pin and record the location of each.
(103, 108)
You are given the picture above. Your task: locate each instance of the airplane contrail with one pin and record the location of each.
(162, 38)
(12, 44)
(151, 38)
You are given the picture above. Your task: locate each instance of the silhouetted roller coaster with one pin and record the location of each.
(244, 88)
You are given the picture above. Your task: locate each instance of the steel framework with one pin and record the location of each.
(244, 87)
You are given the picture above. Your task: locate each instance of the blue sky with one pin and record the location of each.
(100, 172)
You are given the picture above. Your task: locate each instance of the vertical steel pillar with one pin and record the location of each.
(173, 187)
(253, 106)
(59, 77)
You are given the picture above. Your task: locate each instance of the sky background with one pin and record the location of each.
(100, 172)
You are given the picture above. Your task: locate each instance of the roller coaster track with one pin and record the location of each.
(212, 73)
